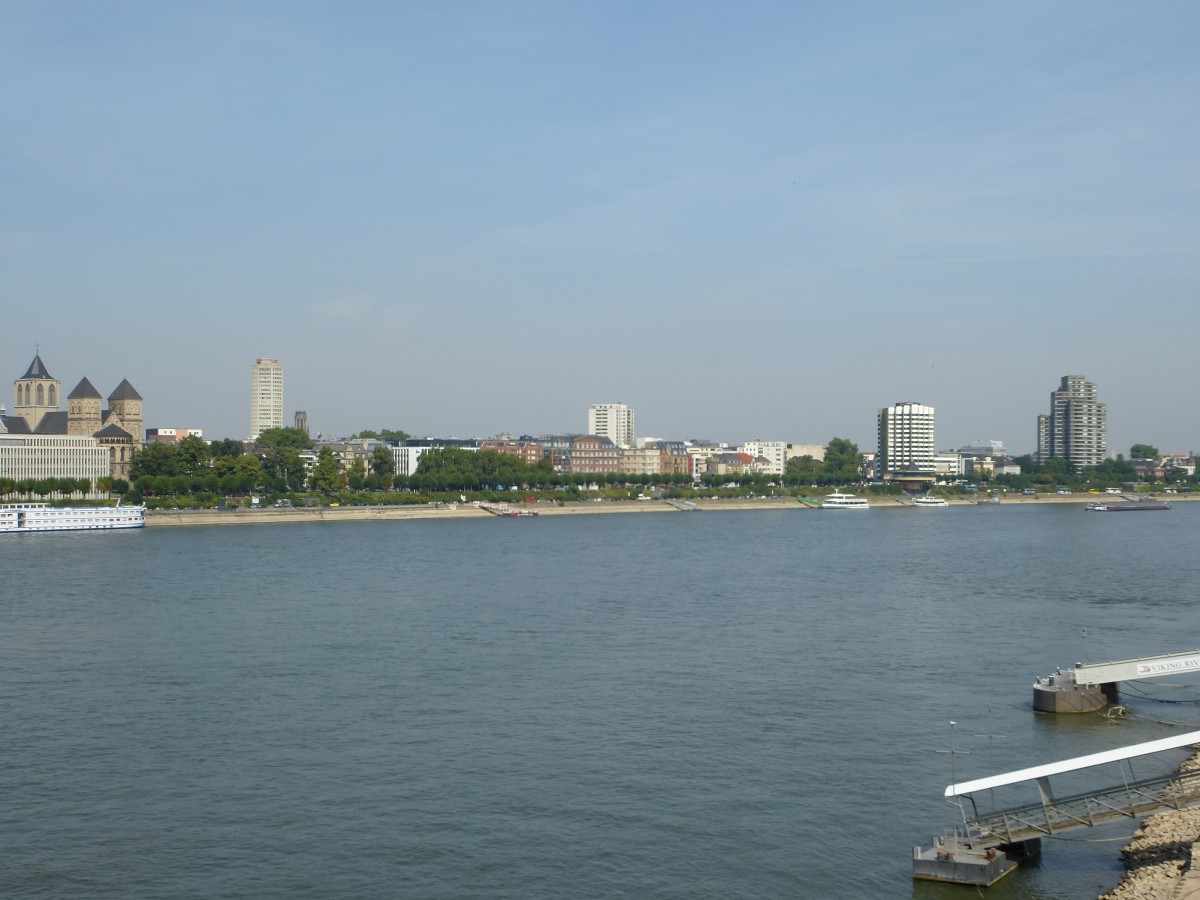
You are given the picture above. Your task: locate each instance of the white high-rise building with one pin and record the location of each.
(613, 421)
(775, 452)
(905, 440)
(266, 396)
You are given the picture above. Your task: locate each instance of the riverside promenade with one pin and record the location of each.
(273, 516)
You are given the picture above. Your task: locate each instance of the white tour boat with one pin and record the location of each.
(844, 501)
(926, 500)
(26, 517)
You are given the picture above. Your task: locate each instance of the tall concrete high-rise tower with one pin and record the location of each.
(266, 396)
(905, 440)
(1076, 428)
(613, 421)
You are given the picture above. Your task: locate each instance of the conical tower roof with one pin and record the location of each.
(37, 369)
(124, 391)
(84, 391)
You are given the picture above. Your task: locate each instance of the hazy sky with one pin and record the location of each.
(750, 220)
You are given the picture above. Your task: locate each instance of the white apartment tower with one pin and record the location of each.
(266, 396)
(905, 440)
(613, 421)
(1077, 427)
(775, 453)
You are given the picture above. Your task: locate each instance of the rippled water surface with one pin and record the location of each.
(715, 704)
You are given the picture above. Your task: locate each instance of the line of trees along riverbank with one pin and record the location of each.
(225, 468)
(207, 472)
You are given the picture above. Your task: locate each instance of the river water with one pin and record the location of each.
(684, 705)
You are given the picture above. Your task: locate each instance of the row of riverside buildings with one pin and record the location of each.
(1074, 429)
(95, 439)
(906, 454)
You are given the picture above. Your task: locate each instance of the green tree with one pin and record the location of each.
(194, 455)
(291, 438)
(249, 469)
(1055, 470)
(1143, 451)
(1112, 471)
(227, 447)
(384, 434)
(802, 470)
(843, 462)
(155, 459)
(382, 461)
(356, 474)
(285, 468)
(326, 473)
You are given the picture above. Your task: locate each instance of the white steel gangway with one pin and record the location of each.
(1135, 669)
(977, 853)
(1091, 686)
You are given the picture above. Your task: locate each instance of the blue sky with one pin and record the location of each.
(761, 220)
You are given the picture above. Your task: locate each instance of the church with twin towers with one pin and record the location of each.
(41, 425)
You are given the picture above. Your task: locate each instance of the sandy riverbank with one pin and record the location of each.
(271, 516)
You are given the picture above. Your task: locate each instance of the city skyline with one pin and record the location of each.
(795, 218)
(280, 416)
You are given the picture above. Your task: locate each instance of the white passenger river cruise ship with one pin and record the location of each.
(26, 517)
(844, 501)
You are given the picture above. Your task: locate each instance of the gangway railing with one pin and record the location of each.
(986, 846)
(1131, 800)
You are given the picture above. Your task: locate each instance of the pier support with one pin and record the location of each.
(1061, 693)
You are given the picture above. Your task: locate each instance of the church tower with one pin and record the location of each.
(126, 404)
(36, 393)
(84, 410)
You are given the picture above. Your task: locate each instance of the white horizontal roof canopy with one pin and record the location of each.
(1072, 765)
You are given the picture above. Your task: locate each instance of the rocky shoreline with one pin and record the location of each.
(1158, 858)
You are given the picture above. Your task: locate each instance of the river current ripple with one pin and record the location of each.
(685, 705)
